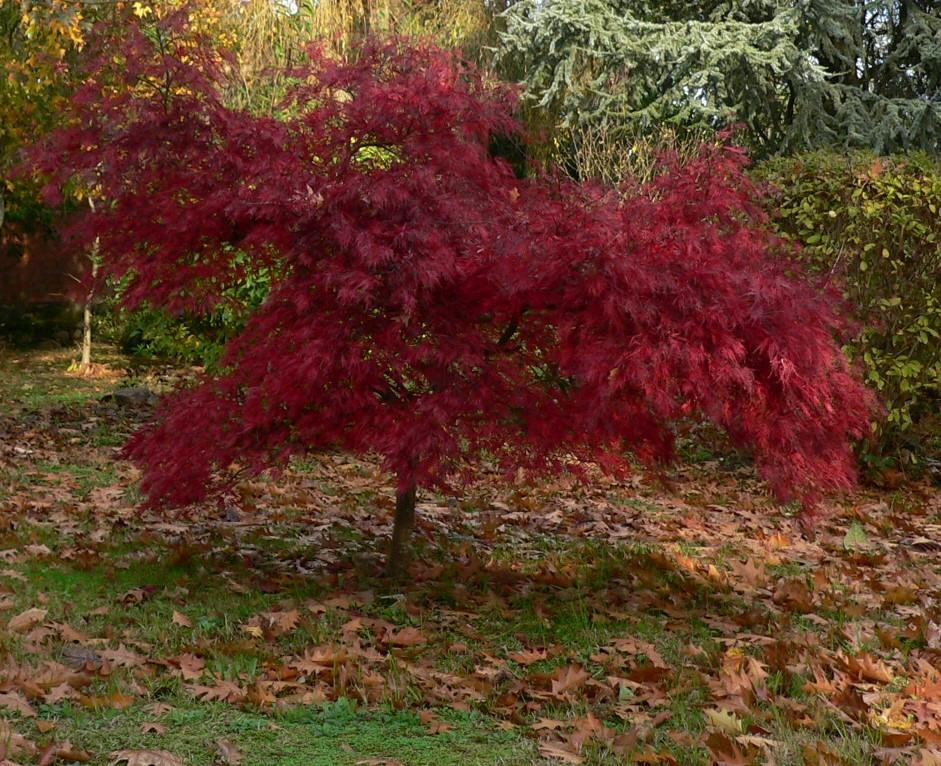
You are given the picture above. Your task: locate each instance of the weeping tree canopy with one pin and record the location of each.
(796, 73)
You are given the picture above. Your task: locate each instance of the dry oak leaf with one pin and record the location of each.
(116, 700)
(13, 574)
(191, 666)
(145, 758)
(272, 624)
(16, 702)
(725, 721)
(568, 679)
(528, 656)
(547, 724)
(13, 743)
(728, 752)
(59, 693)
(227, 753)
(432, 723)
(122, 657)
(560, 752)
(181, 619)
(869, 668)
(64, 751)
(224, 691)
(26, 621)
(406, 637)
(152, 727)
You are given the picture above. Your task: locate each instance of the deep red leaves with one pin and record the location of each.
(432, 306)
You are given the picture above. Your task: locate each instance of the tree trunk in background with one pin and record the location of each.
(86, 314)
(401, 531)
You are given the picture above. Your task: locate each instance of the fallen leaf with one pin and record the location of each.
(64, 752)
(432, 723)
(855, 537)
(227, 753)
(16, 702)
(145, 758)
(724, 720)
(559, 751)
(181, 619)
(224, 691)
(26, 621)
(568, 679)
(528, 656)
(116, 700)
(406, 637)
(547, 724)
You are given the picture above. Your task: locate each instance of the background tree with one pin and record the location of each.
(429, 306)
(467, 25)
(39, 44)
(798, 74)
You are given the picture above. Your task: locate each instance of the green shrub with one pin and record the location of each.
(873, 226)
(187, 338)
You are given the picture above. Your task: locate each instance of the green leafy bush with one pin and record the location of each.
(188, 338)
(873, 226)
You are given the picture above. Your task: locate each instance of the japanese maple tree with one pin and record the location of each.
(430, 306)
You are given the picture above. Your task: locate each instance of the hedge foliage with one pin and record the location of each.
(874, 225)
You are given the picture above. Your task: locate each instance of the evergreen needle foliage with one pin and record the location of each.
(797, 74)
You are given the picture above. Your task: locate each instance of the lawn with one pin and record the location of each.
(678, 618)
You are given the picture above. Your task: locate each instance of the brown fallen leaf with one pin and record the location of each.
(181, 619)
(122, 657)
(547, 724)
(227, 753)
(16, 702)
(145, 758)
(12, 743)
(13, 574)
(870, 669)
(115, 700)
(224, 691)
(271, 625)
(191, 666)
(59, 693)
(406, 637)
(728, 752)
(567, 679)
(135, 596)
(528, 656)
(152, 727)
(26, 621)
(432, 723)
(64, 752)
(560, 752)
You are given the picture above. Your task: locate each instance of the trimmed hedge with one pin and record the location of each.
(874, 225)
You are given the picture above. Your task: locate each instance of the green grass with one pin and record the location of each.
(478, 596)
(332, 734)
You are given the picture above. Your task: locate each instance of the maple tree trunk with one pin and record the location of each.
(401, 531)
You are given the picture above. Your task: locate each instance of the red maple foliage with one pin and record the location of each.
(430, 305)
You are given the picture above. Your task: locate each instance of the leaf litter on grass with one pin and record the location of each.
(644, 622)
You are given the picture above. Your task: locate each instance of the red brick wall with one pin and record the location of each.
(34, 269)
